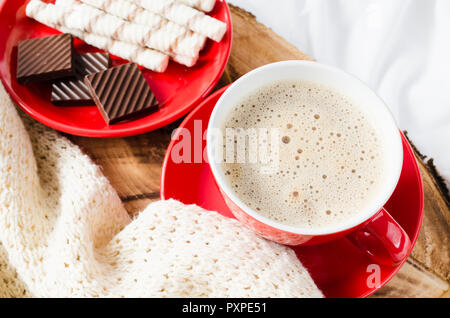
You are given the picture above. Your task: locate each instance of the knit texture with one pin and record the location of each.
(65, 233)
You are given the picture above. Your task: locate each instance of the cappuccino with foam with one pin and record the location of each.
(330, 160)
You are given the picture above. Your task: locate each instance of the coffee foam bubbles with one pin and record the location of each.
(330, 159)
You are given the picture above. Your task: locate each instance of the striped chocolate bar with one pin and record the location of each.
(73, 91)
(121, 93)
(45, 58)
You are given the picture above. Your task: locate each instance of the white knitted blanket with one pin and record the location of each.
(65, 233)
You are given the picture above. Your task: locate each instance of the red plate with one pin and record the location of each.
(178, 89)
(338, 268)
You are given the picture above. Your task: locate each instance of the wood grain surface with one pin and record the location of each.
(133, 166)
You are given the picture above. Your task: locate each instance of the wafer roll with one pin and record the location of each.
(90, 20)
(148, 58)
(169, 38)
(188, 61)
(184, 60)
(138, 15)
(182, 14)
(151, 59)
(204, 5)
(134, 53)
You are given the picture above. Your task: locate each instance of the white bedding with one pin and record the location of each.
(400, 48)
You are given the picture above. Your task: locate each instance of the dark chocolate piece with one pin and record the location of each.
(73, 91)
(44, 59)
(121, 92)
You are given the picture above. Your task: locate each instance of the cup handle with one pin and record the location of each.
(382, 239)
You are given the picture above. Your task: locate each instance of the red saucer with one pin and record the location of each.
(338, 268)
(178, 89)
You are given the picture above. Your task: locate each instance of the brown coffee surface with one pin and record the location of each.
(329, 163)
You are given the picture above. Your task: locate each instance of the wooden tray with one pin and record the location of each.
(133, 166)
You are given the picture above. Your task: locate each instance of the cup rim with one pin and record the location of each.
(327, 230)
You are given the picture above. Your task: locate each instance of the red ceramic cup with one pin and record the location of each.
(373, 230)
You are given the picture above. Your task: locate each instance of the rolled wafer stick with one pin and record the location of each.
(204, 5)
(169, 38)
(126, 10)
(132, 52)
(182, 14)
(138, 15)
(184, 60)
(121, 6)
(148, 58)
(151, 59)
(90, 20)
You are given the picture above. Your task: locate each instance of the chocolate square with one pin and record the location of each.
(45, 58)
(73, 91)
(121, 92)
